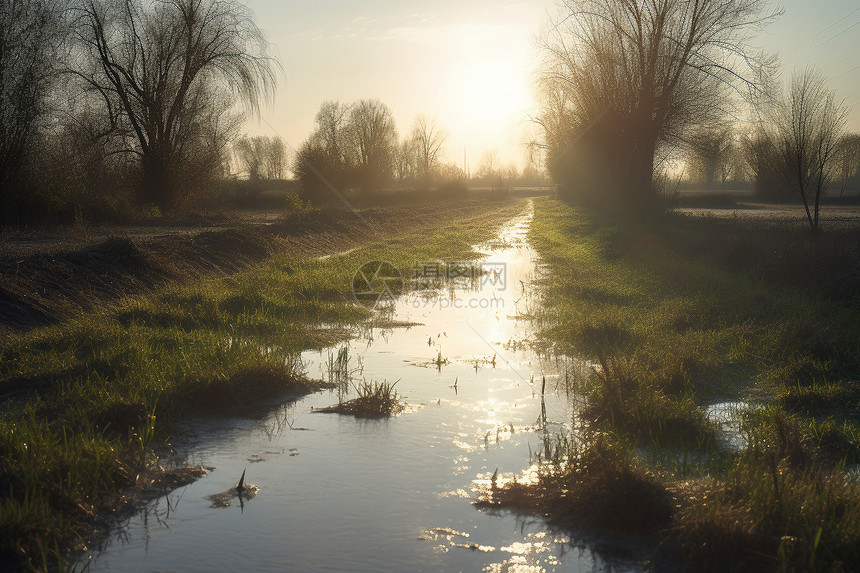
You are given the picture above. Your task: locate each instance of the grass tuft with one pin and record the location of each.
(373, 400)
(239, 390)
(593, 485)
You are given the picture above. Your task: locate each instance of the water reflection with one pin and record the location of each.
(728, 416)
(337, 493)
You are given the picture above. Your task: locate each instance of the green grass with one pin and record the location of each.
(593, 483)
(88, 403)
(373, 400)
(669, 332)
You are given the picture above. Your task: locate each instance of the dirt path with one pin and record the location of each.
(47, 286)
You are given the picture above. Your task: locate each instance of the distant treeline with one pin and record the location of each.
(728, 157)
(356, 149)
(633, 92)
(112, 108)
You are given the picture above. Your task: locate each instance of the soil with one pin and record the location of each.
(41, 283)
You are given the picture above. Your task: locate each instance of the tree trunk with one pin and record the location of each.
(158, 182)
(809, 218)
(644, 201)
(815, 227)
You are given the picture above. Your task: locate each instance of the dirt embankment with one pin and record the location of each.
(46, 287)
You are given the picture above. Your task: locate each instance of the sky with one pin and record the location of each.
(469, 64)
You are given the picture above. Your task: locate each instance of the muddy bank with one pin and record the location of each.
(44, 287)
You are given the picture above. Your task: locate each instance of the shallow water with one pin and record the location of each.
(341, 494)
(728, 417)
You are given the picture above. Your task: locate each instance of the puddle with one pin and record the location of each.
(728, 417)
(390, 494)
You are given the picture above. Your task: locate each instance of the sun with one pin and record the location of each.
(481, 88)
(490, 92)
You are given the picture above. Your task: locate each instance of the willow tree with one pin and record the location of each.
(160, 67)
(622, 77)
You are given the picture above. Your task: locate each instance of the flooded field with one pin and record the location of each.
(338, 493)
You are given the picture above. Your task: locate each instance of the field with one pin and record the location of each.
(719, 426)
(164, 329)
(705, 311)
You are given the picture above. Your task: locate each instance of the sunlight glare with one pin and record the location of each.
(490, 91)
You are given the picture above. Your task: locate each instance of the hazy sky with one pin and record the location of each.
(469, 63)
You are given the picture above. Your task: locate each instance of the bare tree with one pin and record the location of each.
(428, 140)
(30, 30)
(323, 161)
(331, 132)
(806, 126)
(353, 145)
(758, 150)
(261, 157)
(710, 154)
(250, 152)
(492, 172)
(314, 173)
(83, 172)
(203, 156)
(275, 159)
(490, 166)
(159, 66)
(622, 77)
(374, 141)
(406, 161)
(533, 174)
(452, 175)
(849, 160)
